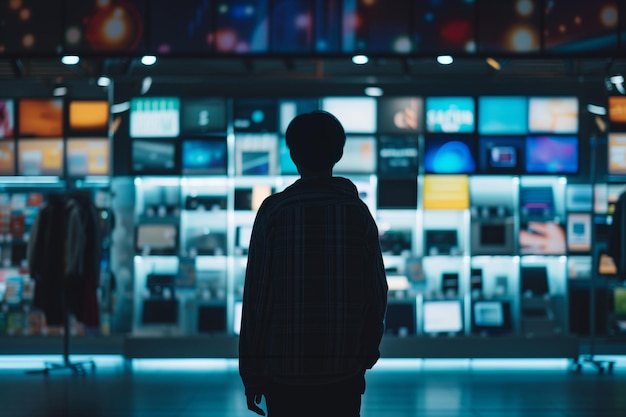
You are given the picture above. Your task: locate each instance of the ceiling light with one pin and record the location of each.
(145, 85)
(70, 60)
(360, 59)
(148, 60)
(445, 59)
(617, 79)
(59, 91)
(120, 107)
(594, 109)
(373, 91)
(104, 81)
(493, 64)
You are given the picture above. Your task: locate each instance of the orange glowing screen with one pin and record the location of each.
(89, 115)
(617, 109)
(41, 117)
(7, 158)
(40, 156)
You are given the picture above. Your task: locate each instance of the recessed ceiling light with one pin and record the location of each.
(373, 91)
(360, 59)
(148, 60)
(104, 81)
(445, 59)
(70, 60)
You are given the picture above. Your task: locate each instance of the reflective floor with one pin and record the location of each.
(395, 388)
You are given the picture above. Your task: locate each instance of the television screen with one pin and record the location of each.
(328, 21)
(87, 156)
(372, 26)
(202, 115)
(502, 115)
(552, 154)
(256, 154)
(444, 26)
(442, 316)
(534, 280)
(553, 114)
(501, 155)
(400, 115)
(104, 26)
(241, 26)
(450, 114)
(491, 316)
(592, 26)
(88, 117)
(204, 156)
(188, 30)
(156, 239)
(7, 158)
(492, 234)
(40, 157)
(40, 117)
(7, 118)
(295, 32)
(154, 117)
(506, 27)
(397, 193)
(290, 108)
(445, 155)
(356, 114)
(617, 111)
(205, 241)
(153, 157)
(400, 319)
(396, 241)
(537, 202)
(441, 241)
(617, 154)
(287, 166)
(255, 115)
(359, 156)
(579, 232)
(398, 156)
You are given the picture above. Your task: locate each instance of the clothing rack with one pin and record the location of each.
(77, 368)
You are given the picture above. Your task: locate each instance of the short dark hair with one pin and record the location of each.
(315, 140)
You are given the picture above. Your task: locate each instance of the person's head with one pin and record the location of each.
(315, 141)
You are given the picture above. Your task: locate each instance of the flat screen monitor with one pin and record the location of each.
(502, 115)
(398, 156)
(255, 115)
(7, 158)
(251, 198)
(441, 241)
(87, 156)
(294, 34)
(450, 114)
(400, 319)
(202, 116)
(501, 154)
(396, 241)
(287, 166)
(184, 31)
(491, 317)
(356, 114)
(617, 113)
(256, 154)
(444, 26)
(553, 115)
(241, 26)
(7, 118)
(442, 316)
(212, 318)
(205, 241)
(40, 157)
(206, 156)
(153, 157)
(397, 193)
(450, 155)
(537, 202)
(619, 301)
(40, 117)
(534, 280)
(88, 118)
(156, 239)
(493, 234)
(551, 154)
(154, 117)
(617, 154)
(579, 232)
(359, 156)
(400, 115)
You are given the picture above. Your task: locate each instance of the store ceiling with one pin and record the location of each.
(240, 73)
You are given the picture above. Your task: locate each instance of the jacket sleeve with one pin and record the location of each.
(616, 238)
(374, 326)
(255, 310)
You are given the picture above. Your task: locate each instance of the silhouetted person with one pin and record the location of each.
(315, 290)
(617, 235)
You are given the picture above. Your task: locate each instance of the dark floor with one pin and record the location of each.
(395, 388)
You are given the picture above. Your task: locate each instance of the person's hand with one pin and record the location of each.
(253, 400)
(545, 238)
